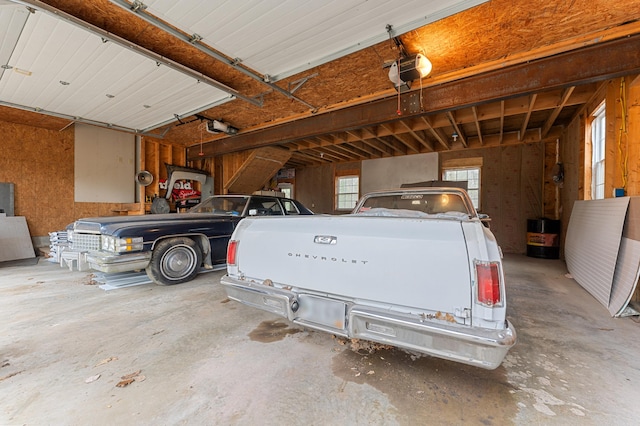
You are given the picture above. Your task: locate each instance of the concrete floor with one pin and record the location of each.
(205, 360)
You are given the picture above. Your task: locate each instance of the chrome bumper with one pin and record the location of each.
(485, 348)
(112, 263)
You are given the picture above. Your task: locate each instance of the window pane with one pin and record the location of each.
(598, 150)
(471, 175)
(347, 192)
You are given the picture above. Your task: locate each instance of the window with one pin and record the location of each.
(597, 153)
(265, 206)
(289, 207)
(471, 175)
(286, 188)
(347, 191)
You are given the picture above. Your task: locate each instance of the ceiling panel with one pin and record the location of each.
(284, 37)
(106, 82)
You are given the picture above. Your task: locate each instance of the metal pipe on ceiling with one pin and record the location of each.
(139, 49)
(138, 8)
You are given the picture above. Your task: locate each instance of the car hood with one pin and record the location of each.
(102, 224)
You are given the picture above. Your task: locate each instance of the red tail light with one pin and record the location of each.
(488, 279)
(232, 247)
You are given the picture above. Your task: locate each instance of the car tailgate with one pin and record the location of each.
(417, 263)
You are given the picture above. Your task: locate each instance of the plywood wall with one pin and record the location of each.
(314, 186)
(40, 163)
(511, 189)
(154, 155)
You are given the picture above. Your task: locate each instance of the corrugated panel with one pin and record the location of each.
(626, 276)
(592, 244)
(284, 37)
(107, 82)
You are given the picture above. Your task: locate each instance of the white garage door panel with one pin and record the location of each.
(593, 242)
(285, 37)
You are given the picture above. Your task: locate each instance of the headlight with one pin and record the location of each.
(120, 245)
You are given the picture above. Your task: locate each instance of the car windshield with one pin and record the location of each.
(231, 206)
(430, 204)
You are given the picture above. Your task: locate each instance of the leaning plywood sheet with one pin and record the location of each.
(261, 165)
(15, 241)
(626, 276)
(592, 244)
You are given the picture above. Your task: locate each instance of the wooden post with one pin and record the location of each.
(632, 142)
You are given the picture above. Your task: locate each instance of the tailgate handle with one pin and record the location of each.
(325, 239)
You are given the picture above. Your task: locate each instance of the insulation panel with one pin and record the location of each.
(592, 244)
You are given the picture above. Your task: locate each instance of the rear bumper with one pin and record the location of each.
(112, 263)
(485, 348)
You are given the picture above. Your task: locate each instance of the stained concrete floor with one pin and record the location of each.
(200, 359)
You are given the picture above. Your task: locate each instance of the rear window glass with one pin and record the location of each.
(425, 203)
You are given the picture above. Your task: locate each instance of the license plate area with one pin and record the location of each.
(322, 311)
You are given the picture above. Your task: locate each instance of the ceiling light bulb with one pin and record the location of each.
(423, 65)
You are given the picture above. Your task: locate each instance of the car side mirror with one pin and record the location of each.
(253, 212)
(485, 219)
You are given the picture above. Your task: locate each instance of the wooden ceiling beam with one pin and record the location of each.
(372, 152)
(340, 151)
(351, 148)
(517, 106)
(392, 143)
(301, 144)
(554, 114)
(295, 162)
(409, 143)
(327, 152)
(501, 121)
(525, 122)
(436, 134)
(532, 135)
(458, 129)
(474, 109)
(375, 145)
(600, 61)
(308, 159)
(372, 133)
(425, 143)
(319, 155)
(379, 146)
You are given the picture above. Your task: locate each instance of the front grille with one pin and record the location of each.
(85, 242)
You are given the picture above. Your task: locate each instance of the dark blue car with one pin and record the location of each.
(171, 248)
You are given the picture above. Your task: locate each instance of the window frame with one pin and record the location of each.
(466, 164)
(598, 134)
(347, 174)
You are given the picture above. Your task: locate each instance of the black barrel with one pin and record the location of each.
(543, 238)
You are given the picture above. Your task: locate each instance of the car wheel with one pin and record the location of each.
(174, 261)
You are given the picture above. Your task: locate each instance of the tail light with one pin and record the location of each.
(232, 247)
(488, 279)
